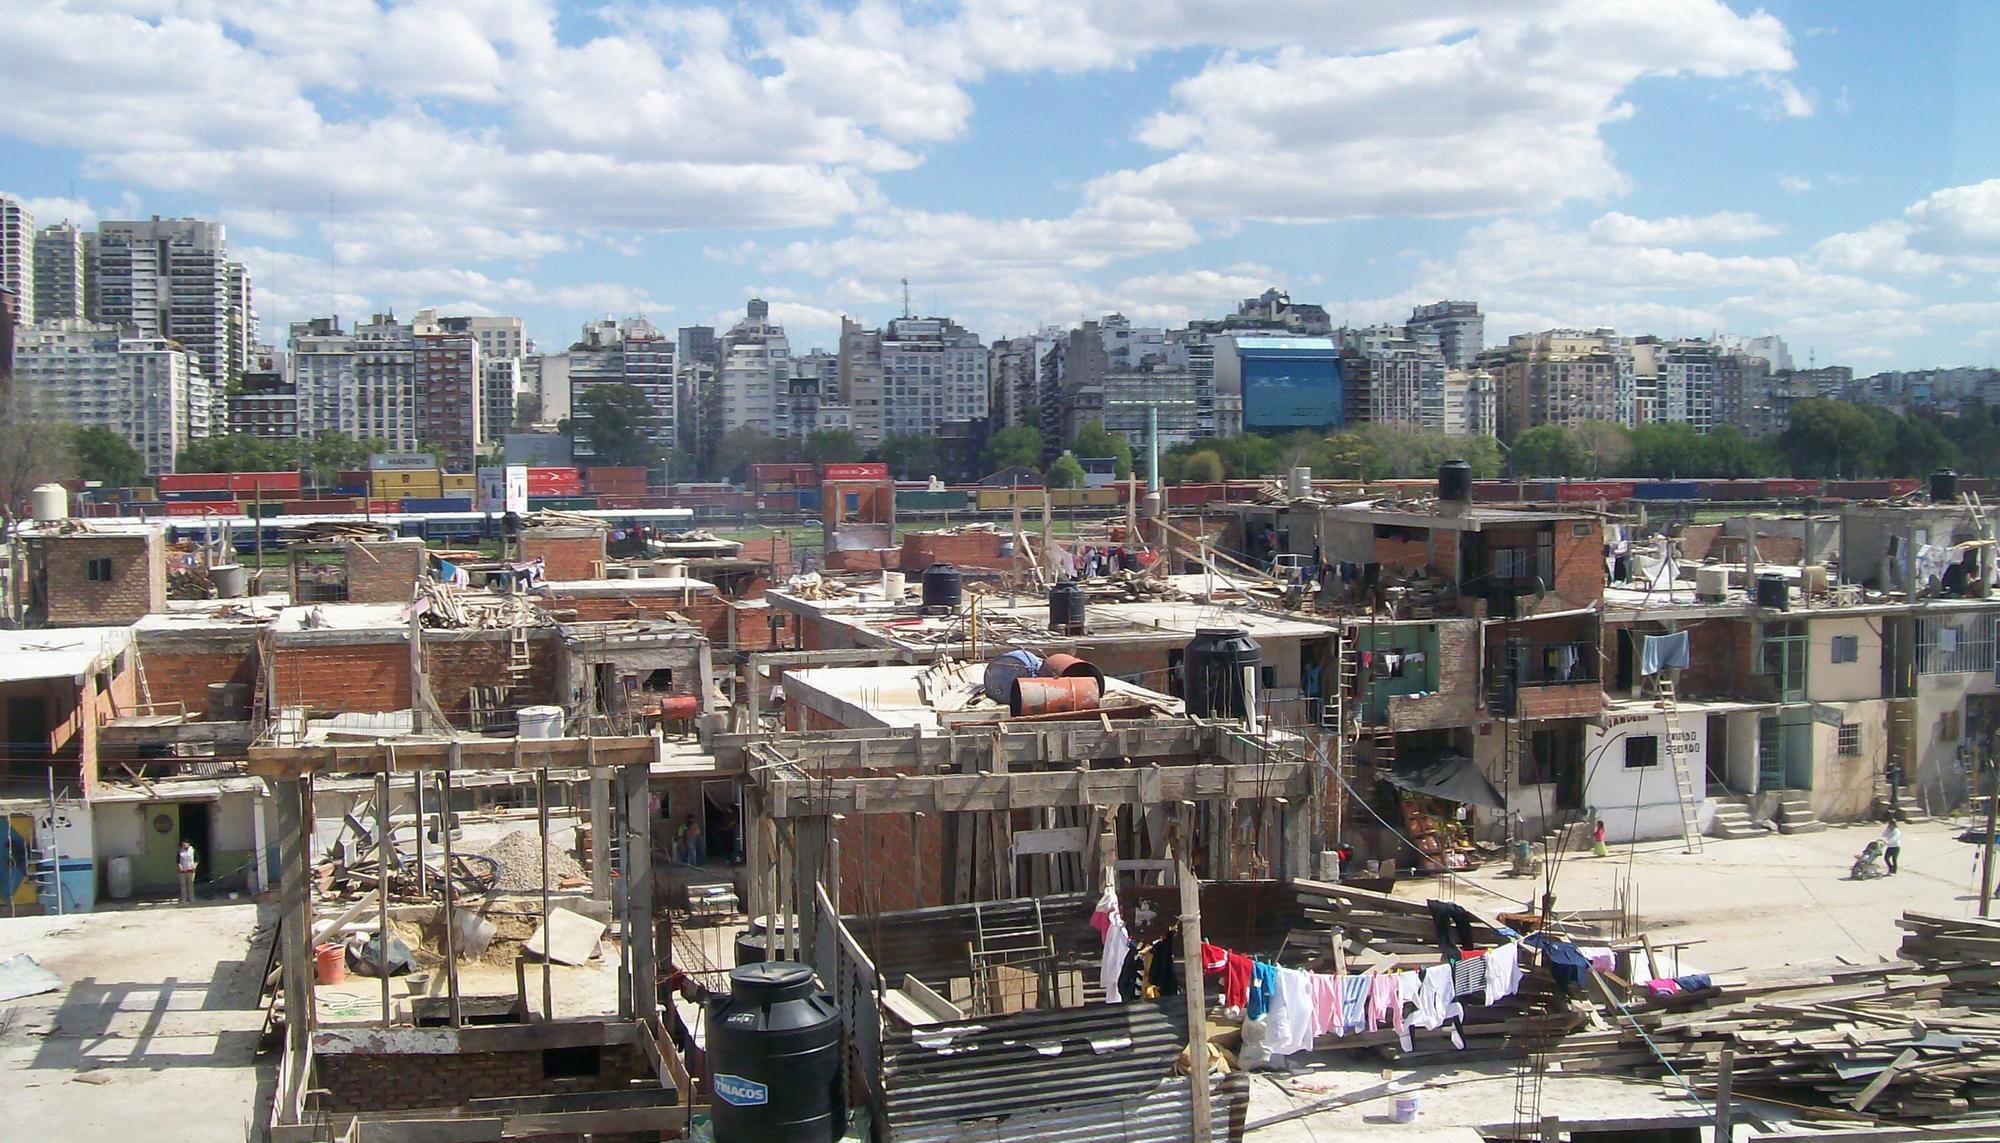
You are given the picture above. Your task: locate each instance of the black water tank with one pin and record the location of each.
(1944, 486)
(943, 587)
(1455, 481)
(774, 1058)
(750, 942)
(1066, 608)
(1772, 591)
(1212, 671)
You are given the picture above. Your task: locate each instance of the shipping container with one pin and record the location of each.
(1571, 491)
(257, 483)
(460, 482)
(808, 499)
(872, 470)
(196, 495)
(1790, 489)
(201, 508)
(562, 503)
(192, 482)
(928, 501)
(323, 506)
(1666, 490)
(437, 504)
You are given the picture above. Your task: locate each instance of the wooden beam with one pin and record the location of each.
(474, 754)
(296, 951)
(953, 793)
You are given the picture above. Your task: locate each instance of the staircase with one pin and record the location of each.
(1795, 813)
(1690, 801)
(1732, 820)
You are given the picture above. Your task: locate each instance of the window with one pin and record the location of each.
(1783, 656)
(1642, 752)
(1850, 739)
(1847, 648)
(97, 570)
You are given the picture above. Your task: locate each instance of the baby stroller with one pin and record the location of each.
(1867, 865)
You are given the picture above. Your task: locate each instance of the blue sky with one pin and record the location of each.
(1824, 171)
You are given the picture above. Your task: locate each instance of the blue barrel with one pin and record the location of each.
(78, 879)
(774, 1047)
(1005, 668)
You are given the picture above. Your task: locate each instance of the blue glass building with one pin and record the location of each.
(1288, 383)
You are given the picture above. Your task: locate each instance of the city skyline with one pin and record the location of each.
(1816, 172)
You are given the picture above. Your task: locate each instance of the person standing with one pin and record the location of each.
(1892, 845)
(185, 864)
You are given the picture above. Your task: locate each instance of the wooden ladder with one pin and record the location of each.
(519, 662)
(1690, 799)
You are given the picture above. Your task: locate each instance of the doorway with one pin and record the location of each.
(195, 818)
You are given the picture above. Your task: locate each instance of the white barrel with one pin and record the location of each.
(47, 502)
(621, 571)
(541, 722)
(1300, 483)
(671, 569)
(892, 585)
(118, 878)
(231, 580)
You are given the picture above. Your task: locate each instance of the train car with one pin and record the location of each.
(1575, 491)
(1004, 499)
(925, 500)
(1667, 490)
(569, 503)
(212, 509)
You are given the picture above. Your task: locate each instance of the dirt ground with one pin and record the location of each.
(153, 1034)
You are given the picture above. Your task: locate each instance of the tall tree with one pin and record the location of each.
(1831, 439)
(1064, 473)
(1545, 450)
(832, 446)
(1203, 467)
(744, 446)
(106, 457)
(1015, 445)
(616, 425)
(33, 449)
(1093, 442)
(1603, 448)
(236, 452)
(910, 456)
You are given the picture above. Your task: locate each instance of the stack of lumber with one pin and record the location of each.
(1880, 1041)
(1378, 928)
(1965, 949)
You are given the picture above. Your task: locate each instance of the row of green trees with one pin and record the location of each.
(1376, 452)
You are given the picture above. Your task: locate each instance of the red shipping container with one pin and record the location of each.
(1783, 489)
(252, 483)
(192, 482)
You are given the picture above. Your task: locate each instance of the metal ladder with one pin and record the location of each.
(1014, 946)
(1690, 801)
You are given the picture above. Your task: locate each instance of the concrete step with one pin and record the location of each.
(1792, 826)
(1729, 832)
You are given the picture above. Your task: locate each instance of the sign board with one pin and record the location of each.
(401, 461)
(504, 489)
(860, 470)
(740, 1092)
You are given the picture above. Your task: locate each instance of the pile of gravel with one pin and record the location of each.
(520, 859)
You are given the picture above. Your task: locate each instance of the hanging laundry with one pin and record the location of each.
(1383, 1008)
(1601, 958)
(1409, 993)
(1132, 974)
(1468, 974)
(1233, 968)
(1160, 970)
(1438, 1003)
(1947, 640)
(1663, 651)
(1326, 1004)
(1110, 925)
(1354, 992)
(1565, 964)
(1445, 916)
(1566, 660)
(1503, 972)
(1263, 983)
(1289, 1024)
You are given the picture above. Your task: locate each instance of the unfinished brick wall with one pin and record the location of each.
(1575, 700)
(178, 671)
(963, 549)
(136, 586)
(364, 1083)
(1721, 655)
(1579, 564)
(336, 677)
(384, 571)
(774, 550)
(891, 861)
(457, 661)
(863, 559)
(566, 553)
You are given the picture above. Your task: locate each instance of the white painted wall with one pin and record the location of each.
(1642, 803)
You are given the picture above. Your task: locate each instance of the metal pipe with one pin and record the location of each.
(542, 804)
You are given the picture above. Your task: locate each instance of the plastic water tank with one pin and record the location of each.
(48, 502)
(541, 722)
(944, 586)
(1212, 671)
(774, 1050)
(232, 581)
(1944, 487)
(750, 942)
(118, 878)
(1067, 604)
(1772, 591)
(1455, 481)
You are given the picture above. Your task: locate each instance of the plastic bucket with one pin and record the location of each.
(330, 964)
(1406, 1108)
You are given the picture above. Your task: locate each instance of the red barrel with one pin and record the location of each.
(679, 706)
(1062, 666)
(331, 964)
(1052, 696)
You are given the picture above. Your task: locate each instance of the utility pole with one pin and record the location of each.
(1986, 863)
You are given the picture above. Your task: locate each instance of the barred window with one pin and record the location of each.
(1850, 739)
(1955, 645)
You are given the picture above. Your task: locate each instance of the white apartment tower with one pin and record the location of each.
(1457, 329)
(17, 257)
(148, 390)
(755, 373)
(59, 272)
(172, 278)
(914, 375)
(634, 352)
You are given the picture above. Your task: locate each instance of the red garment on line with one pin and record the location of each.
(1234, 968)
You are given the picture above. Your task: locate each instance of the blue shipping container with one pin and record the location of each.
(1666, 490)
(437, 504)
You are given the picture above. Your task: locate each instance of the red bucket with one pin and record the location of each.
(330, 963)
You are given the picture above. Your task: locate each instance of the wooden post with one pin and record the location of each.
(1197, 1005)
(1986, 865)
(1724, 1073)
(385, 855)
(416, 667)
(769, 895)
(542, 812)
(600, 835)
(423, 873)
(450, 887)
(639, 895)
(295, 936)
(830, 876)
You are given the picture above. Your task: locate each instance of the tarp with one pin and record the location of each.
(1450, 777)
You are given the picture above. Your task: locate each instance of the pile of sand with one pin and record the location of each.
(519, 856)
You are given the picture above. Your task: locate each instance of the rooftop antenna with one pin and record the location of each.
(906, 297)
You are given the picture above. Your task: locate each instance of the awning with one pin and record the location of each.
(1450, 777)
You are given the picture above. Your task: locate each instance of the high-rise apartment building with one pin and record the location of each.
(172, 278)
(1457, 329)
(1563, 377)
(446, 376)
(631, 352)
(754, 377)
(933, 374)
(499, 396)
(59, 272)
(148, 390)
(17, 257)
(266, 405)
(385, 383)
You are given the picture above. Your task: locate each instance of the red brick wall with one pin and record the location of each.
(1721, 653)
(774, 550)
(384, 572)
(890, 862)
(565, 557)
(175, 675)
(456, 664)
(353, 677)
(1401, 555)
(964, 549)
(1573, 701)
(1579, 563)
(137, 587)
(862, 559)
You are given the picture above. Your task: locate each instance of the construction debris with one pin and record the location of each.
(519, 858)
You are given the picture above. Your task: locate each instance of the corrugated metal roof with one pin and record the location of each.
(1160, 1114)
